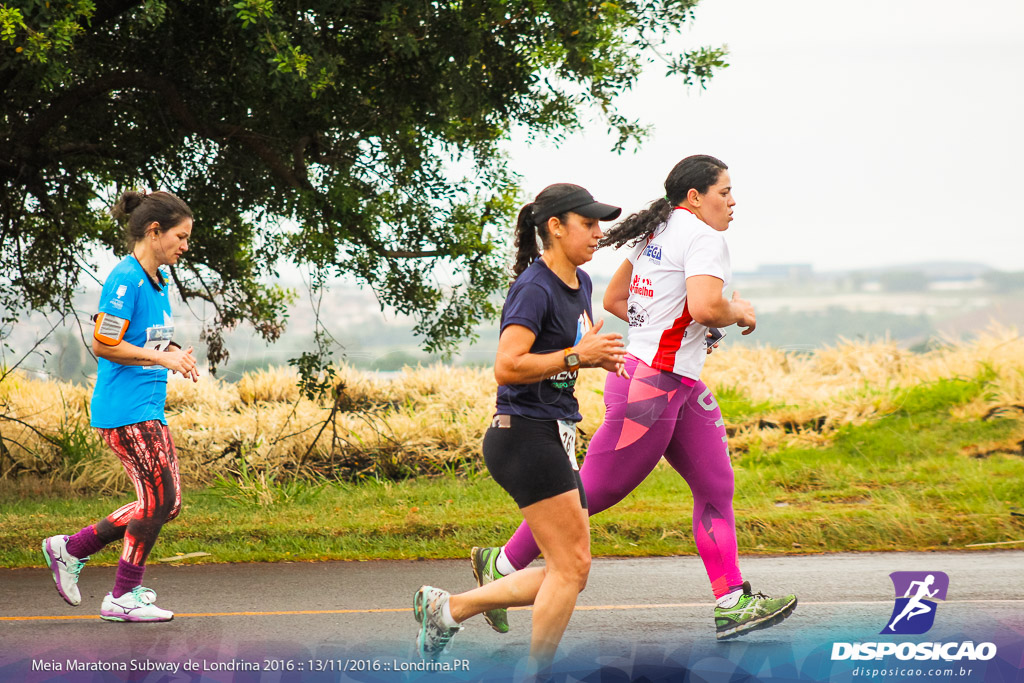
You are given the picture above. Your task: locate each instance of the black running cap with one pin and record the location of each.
(557, 199)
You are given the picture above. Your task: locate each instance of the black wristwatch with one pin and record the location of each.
(572, 360)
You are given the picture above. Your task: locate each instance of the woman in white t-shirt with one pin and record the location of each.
(669, 289)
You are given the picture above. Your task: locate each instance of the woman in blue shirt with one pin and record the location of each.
(133, 342)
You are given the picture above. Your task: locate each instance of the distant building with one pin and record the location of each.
(774, 275)
(955, 285)
(784, 271)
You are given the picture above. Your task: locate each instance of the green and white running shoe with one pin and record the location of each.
(484, 572)
(434, 637)
(751, 612)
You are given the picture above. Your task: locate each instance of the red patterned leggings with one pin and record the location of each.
(147, 453)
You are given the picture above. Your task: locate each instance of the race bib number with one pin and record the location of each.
(158, 337)
(567, 432)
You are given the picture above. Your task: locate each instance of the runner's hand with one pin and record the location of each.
(601, 350)
(713, 346)
(181, 360)
(746, 312)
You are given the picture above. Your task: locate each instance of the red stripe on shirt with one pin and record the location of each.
(671, 340)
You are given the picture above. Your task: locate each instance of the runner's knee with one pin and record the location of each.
(174, 511)
(176, 508)
(159, 512)
(571, 566)
(579, 567)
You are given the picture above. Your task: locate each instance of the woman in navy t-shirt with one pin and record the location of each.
(132, 340)
(546, 337)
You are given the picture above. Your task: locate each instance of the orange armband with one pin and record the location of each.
(110, 329)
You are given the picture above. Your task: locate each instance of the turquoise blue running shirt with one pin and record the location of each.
(559, 315)
(128, 394)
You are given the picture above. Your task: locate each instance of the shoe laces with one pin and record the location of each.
(748, 599)
(442, 634)
(144, 595)
(447, 638)
(444, 637)
(75, 567)
(753, 600)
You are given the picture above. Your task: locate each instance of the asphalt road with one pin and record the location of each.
(638, 617)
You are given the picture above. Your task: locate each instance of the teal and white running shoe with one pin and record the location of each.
(484, 572)
(434, 637)
(136, 605)
(751, 612)
(65, 568)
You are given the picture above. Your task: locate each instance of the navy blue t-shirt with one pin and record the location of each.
(559, 315)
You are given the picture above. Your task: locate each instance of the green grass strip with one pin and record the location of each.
(899, 483)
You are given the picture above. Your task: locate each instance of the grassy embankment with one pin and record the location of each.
(856, 447)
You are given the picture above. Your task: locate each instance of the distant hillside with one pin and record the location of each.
(798, 308)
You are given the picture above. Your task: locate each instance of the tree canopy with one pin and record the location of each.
(326, 134)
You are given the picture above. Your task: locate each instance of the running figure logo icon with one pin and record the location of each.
(916, 592)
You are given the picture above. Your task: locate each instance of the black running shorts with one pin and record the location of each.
(527, 459)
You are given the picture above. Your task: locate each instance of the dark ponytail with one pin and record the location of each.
(526, 241)
(528, 228)
(138, 210)
(698, 172)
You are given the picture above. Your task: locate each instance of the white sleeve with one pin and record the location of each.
(634, 252)
(707, 254)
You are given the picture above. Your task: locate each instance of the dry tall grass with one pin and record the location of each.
(853, 382)
(432, 419)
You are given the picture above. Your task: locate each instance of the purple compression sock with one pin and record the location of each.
(128, 577)
(85, 542)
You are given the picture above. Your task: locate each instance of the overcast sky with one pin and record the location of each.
(881, 132)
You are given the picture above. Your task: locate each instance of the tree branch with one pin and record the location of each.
(187, 293)
(72, 100)
(414, 254)
(41, 435)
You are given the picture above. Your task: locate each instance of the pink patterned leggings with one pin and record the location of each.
(148, 455)
(657, 413)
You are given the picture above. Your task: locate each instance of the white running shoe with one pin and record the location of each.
(136, 605)
(65, 568)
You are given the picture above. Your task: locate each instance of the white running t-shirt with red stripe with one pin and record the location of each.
(661, 331)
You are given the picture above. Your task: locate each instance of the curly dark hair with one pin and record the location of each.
(698, 172)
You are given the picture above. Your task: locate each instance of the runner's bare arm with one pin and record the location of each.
(616, 296)
(514, 364)
(123, 353)
(708, 307)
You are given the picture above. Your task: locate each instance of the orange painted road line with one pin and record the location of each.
(229, 614)
(581, 608)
